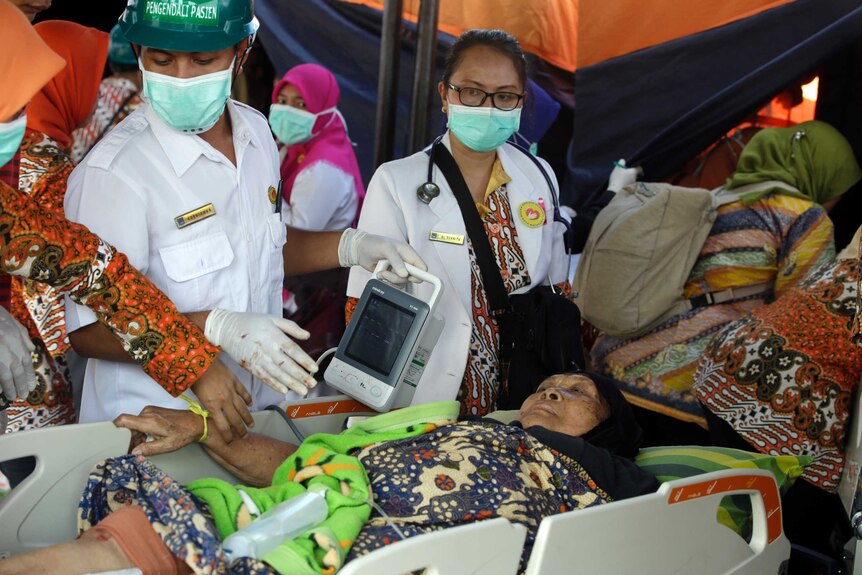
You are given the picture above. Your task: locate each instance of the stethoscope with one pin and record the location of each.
(428, 190)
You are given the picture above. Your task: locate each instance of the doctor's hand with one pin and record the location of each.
(262, 345)
(168, 429)
(224, 396)
(17, 378)
(359, 248)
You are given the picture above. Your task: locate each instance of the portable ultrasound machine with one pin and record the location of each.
(387, 344)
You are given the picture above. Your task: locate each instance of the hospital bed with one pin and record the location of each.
(671, 531)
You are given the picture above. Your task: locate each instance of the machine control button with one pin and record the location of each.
(375, 390)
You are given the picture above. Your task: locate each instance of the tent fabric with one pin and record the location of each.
(660, 106)
(545, 28)
(611, 29)
(574, 33)
(346, 40)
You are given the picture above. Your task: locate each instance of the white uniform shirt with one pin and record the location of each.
(131, 187)
(323, 198)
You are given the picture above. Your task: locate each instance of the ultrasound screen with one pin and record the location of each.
(379, 335)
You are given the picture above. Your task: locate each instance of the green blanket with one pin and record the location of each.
(322, 462)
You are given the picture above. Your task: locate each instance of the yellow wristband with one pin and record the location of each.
(197, 408)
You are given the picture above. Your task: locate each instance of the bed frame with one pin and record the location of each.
(671, 531)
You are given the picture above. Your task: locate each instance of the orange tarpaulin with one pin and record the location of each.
(543, 27)
(612, 28)
(577, 33)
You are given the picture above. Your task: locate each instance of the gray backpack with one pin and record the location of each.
(641, 250)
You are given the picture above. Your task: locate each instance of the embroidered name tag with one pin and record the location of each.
(195, 216)
(446, 238)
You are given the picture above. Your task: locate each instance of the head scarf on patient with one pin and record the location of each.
(813, 157)
(619, 433)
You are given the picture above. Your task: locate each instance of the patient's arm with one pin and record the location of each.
(253, 458)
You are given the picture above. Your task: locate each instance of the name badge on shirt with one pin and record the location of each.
(446, 238)
(195, 216)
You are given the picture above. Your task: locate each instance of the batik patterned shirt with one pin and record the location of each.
(41, 244)
(784, 377)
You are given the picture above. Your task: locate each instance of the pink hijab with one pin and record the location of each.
(319, 89)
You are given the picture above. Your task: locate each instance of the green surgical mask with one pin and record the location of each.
(293, 125)
(191, 105)
(11, 134)
(483, 129)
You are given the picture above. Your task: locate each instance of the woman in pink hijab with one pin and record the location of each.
(322, 186)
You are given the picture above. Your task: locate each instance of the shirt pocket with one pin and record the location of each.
(277, 231)
(273, 255)
(191, 267)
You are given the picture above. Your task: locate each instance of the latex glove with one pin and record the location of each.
(17, 378)
(359, 248)
(622, 176)
(260, 344)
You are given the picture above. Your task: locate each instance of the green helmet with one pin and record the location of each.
(188, 25)
(119, 49)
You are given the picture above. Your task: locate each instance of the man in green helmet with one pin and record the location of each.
(188, 187)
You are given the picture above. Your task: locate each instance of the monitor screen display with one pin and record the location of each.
(379, 335)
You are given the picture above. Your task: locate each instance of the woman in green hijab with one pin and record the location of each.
(761, 246)
(813, 157)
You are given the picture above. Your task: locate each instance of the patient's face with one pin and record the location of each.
(568, 404)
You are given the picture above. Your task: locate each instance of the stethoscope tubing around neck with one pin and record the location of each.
(429, 190)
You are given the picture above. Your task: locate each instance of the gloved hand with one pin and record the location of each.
(359, 248)
(622, 176)
(17, 378)
(260, 344)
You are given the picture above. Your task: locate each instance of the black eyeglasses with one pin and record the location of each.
(474, 97)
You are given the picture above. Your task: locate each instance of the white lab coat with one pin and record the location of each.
(392, 209)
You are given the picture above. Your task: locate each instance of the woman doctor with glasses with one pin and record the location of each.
(482, 93)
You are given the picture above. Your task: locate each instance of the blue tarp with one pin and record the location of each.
(346, 39)
(660, 106)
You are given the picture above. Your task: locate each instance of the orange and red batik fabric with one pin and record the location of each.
(43, 169)
(40, 244)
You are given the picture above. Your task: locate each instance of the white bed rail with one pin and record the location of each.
(43, 509)
(672, 531)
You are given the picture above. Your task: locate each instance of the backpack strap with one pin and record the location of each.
(492, 281)
(723, 296)
(725, 196)
(495, 289)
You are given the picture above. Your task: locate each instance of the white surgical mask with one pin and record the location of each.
(191, 105)
(483, 128)
(293, 125)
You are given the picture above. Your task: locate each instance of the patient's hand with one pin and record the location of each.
(172, 429)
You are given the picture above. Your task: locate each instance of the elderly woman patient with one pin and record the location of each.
(569, 448)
